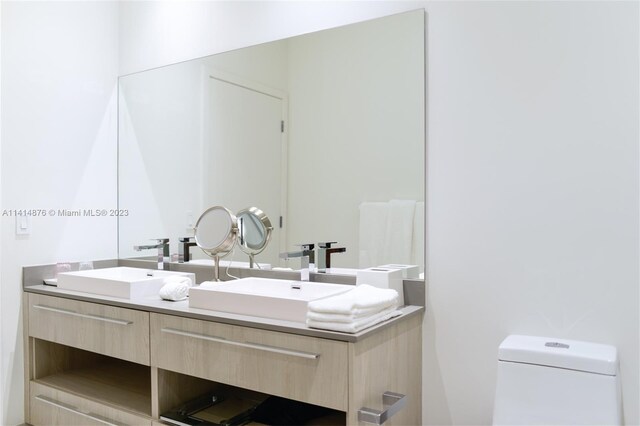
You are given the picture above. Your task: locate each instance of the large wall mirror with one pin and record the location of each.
(324, 132)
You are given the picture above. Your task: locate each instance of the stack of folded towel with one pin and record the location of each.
(175, 288)
(354, 310)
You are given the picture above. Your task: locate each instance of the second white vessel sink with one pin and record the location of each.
(121, 281)
(263, 297)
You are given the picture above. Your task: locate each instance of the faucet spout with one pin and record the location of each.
(162, 244)
(324, 255)
(183, 249)
(307, 257)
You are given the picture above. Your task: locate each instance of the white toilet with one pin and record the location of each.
(544, 381)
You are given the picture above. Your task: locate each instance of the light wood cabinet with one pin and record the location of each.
(91, 363)
(109, 330)
(388, 361)
(303, 368)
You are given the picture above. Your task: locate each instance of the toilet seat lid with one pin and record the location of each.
(560, 353)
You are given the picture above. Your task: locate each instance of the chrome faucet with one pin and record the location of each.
(183, 249)
(324, 255)
(162, 244)
(306, 255)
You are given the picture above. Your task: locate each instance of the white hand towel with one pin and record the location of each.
(399, 232)
(355, 326)
(373, 226)
(362, 296)
(174, 290)
(356, 314)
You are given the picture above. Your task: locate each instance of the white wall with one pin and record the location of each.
(58, 114)
(1, 206)
(532, 189)
(156, 33)
(532, 169)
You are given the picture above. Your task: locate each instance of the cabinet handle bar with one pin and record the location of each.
(257, 346)
(394, 402)
(78, 314)
(74, 410)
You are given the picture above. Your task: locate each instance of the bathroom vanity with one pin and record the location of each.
(92, 359)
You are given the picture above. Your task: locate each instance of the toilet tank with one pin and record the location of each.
(556, 381)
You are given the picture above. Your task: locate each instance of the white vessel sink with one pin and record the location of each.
(263, 297)
(123, 282)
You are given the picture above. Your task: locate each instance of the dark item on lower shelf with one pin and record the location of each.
(212, 410)
(278, 411)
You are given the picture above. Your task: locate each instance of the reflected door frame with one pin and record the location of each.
(209, 72)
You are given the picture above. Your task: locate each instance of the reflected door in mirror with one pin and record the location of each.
(244, 149)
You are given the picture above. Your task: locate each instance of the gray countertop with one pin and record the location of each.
(181, 308)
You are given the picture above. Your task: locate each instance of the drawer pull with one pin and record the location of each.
(394, 402)
(75, 410)
(257, 346)
(78, 314)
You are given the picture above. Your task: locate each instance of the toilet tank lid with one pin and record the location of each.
(560, 353)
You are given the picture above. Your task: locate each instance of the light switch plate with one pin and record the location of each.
(23, 225)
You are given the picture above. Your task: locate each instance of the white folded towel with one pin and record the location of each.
(355, 326)
(373, 225)
(362, 296)
(356, 314)
(174, 289)
(399, 232)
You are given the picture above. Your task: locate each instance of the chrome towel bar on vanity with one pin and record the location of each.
(394, 403)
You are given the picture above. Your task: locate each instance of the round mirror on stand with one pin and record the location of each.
(215, 233)
(254, 232)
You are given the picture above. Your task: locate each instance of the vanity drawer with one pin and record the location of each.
(50, 406)
(117, 332)
(303, 368)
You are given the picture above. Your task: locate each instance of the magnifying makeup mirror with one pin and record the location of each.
(215, 233)
(254, 232)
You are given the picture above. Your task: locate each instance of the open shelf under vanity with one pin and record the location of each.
(176, 390)
(121, 384)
